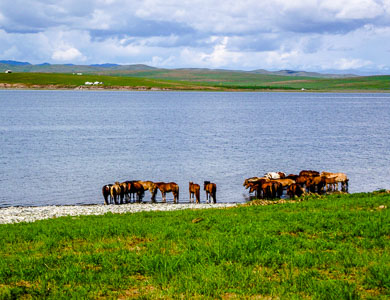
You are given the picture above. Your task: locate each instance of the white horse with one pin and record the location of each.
(272, 175)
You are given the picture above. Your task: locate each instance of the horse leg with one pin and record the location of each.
(153, 199)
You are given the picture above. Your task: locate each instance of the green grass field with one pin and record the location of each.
(199, 80)
(330, 247)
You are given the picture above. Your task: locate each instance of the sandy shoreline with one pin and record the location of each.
(30, 214)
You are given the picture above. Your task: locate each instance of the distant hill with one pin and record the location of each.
(14, 63)
(115, 69)
(68, 68)
(301, 74)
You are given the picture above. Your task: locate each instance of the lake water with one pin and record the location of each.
(61, 147)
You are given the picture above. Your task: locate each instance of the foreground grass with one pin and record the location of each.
(199, 80)
(335, 247)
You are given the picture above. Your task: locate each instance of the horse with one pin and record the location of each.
(194, 192)
(330, 182)
(106, 190)
(272, 175)
(115, 192)
(149, 185)
(315, 184)
(339, 178)
(170, 187)
(285, 182)
(124, 192)
(295, 190)
(309, 173)
(135, 188)
(249, 180)
(268, 189)
(211, 191)
(292, 176)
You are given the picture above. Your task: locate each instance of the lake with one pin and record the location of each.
(61, 147)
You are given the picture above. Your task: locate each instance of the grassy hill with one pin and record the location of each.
(330, 247)
(142, 76)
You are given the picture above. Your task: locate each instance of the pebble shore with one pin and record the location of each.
(31, 214)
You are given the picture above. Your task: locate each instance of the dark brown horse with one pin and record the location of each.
(211, 191)
(170, 187)
(106, 190)
(194, 192)
(135, 188)
(295, 190)
(316, 184)
(309, 173)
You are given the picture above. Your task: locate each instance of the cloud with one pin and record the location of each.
(69, 54)
(350, 64)
(247, 34)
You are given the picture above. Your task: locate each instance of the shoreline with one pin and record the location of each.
(18, 214)
(52, 87)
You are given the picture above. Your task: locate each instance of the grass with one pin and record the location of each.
(199, 80)
(333, 247)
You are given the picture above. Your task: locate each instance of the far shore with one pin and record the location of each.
(51, 87)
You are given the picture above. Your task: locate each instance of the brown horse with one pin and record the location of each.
(211, 191)
(149, 185)
(135, 188)
(292, 176)
(249, 180)
(267, 189)
(115, 192)
(170, 187)
(106, 190)
(338, 178)
(316, 184)
(285, 182)
(124, 192)
(194, 192)
(295, 190)
(309, 173)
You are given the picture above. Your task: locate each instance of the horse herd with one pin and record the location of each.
(273, 184)
(134, 190)
(270, 186)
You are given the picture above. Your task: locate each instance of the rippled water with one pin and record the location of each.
(60, 147)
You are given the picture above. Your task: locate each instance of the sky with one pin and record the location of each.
(339, 36)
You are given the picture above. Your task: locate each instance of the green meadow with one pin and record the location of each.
(206, 80)
(328, 247)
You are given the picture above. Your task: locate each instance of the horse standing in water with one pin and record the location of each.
(106, 191)
(149, 185)
(170, 187)
(194, 192)
(115, 192)
(211, 190)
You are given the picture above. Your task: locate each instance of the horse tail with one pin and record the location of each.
(177, 200)
(198, 195)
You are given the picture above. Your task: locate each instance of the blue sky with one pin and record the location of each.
(324, 36)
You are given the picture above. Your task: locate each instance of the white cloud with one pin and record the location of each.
(248, 34)
(69, 54)
(353, 9)
(351, 64)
